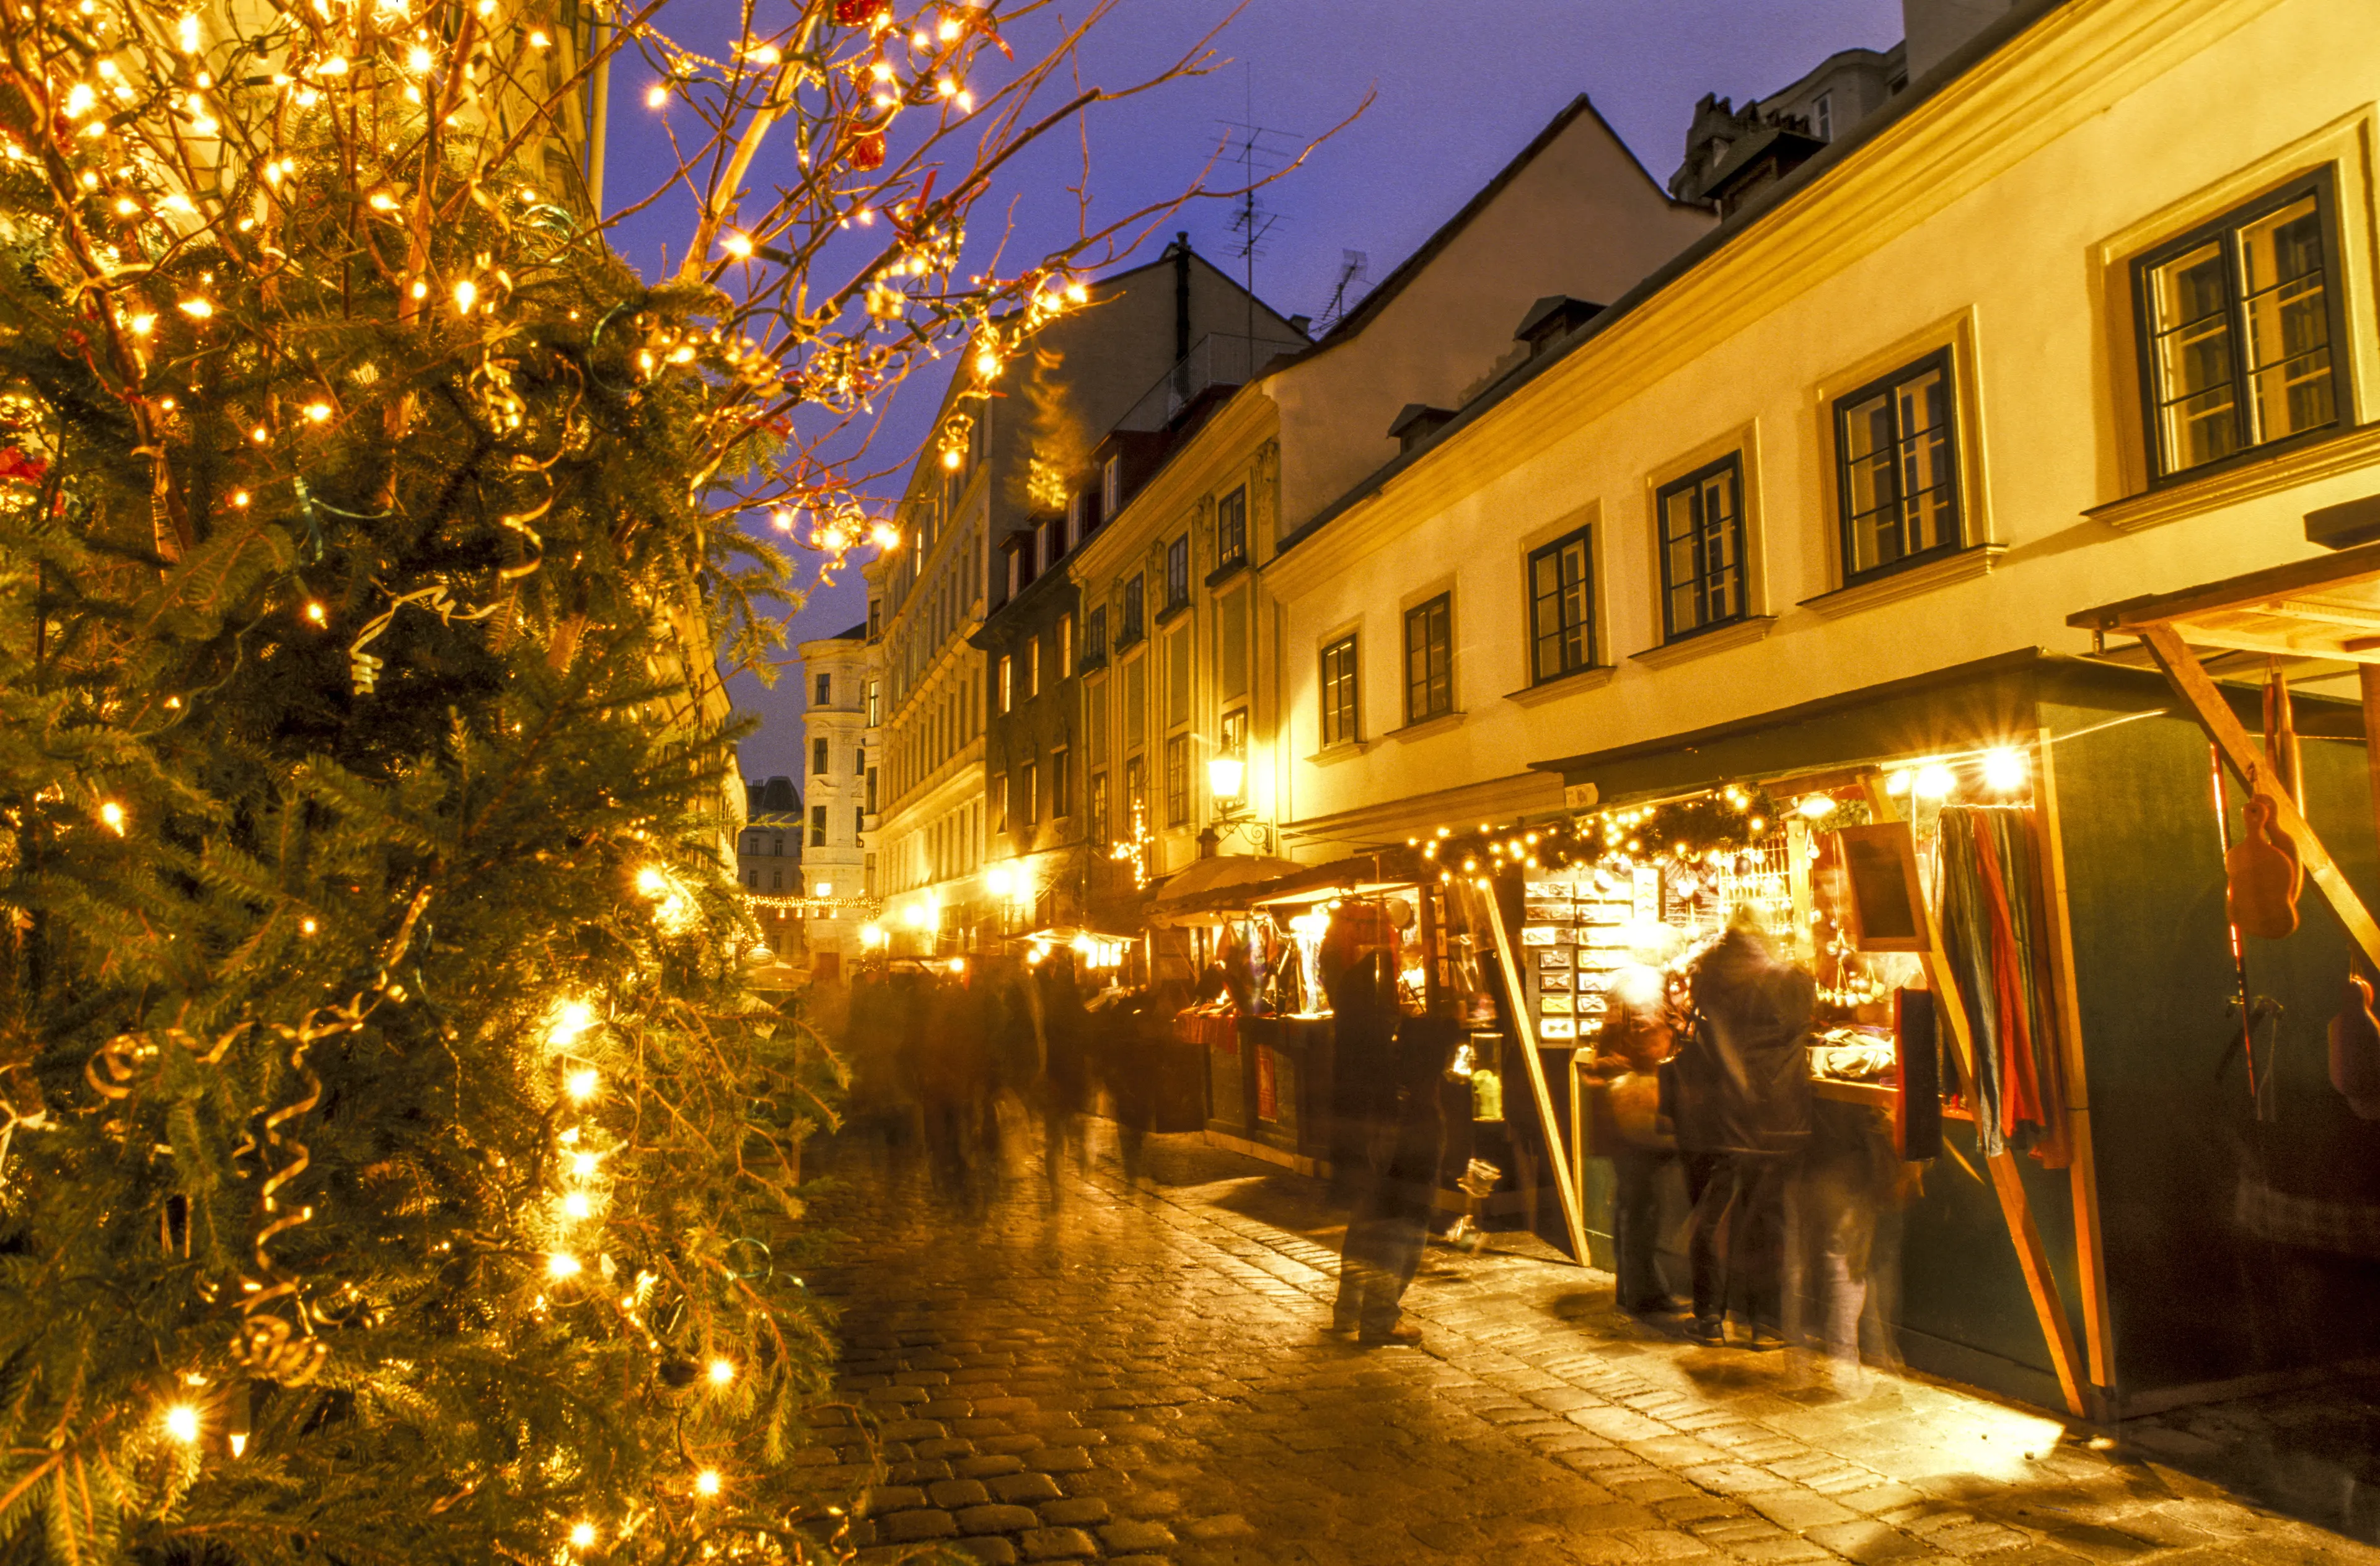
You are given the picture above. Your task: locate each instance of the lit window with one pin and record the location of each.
(1007, 683)
(1897, 469)
(1429, 660)
(1701, 548)
(1033, 667)
(2238, 320)
(1177, 780)
(1339, 717)
(1111, 487)
(1562, 608)
(1232, 529)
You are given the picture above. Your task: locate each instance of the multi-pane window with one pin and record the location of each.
(1562, 608)
(1095, 634)
(2238, 320)
(1031, 784)
(1102, 830)
(875, 702)
(1897, 469)
(1111, 487)
(1061, 783)
(1177, 573)
(825, 685)
(1701, 548)
(818, 757)
(1007, 683)
(1429, 658)
(1232, 529)
(1177, 780)
(1338, 722)
(1033, 667)
(818, 826)
(1065, 644)
(1129, 631)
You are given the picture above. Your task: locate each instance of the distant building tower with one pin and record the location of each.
(843, 779)
(769, 860)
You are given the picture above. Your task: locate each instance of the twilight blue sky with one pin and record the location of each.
(1460, 88)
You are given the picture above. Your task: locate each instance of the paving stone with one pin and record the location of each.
(1123, 1537)
(998, 1518)
(1058, 1460)
(1081, 1511)
(952, 1494)
(987, 1466)
(1024, 1490)
(990, 1548)
(1057, 1544)
(914, 1527)
(882, 1499)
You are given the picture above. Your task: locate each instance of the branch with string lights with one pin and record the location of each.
(1699, 829)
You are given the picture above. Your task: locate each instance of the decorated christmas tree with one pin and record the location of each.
(393, 1165)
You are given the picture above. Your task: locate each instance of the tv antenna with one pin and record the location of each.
(1354, 269)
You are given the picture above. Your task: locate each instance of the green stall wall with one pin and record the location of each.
(2196, 1295)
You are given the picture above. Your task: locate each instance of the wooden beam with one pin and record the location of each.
(2008, 1180)
(2338, 650)
(1563, 1185)
(2246, 759)
(2369, 677)
(2315, 574)
(2082, 1172)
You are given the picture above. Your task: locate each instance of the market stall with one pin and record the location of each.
(1285, 1074)
(2011, 875)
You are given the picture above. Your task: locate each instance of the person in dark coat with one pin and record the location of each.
(1406, 1139)
(1742, 1105)
(1065, 1089)
(1634, 1039)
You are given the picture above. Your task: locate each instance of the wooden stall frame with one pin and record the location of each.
(1572, 1220)
(2082, 1171)
(2008, 1180)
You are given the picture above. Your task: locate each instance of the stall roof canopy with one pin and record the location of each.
(2328, 607)
(1986, 703)
(1288, 881)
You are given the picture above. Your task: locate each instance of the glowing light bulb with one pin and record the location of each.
(2003, 770)
(198, 309)
(182, 1423)
(737, 245)
(580, 1084)
(567, 1022)
(113, 815)
(577, 1204)
(562, 1264)
(1934, 781)
(655, 96)
(467, 294)
(722, 1372)
(1816, 805)
(582, 1535)
(1898, 782)
(707, 1482)
(308, 925)
(316, 614)
(582, 1164)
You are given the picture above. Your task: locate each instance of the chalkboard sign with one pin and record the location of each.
(1887, 905)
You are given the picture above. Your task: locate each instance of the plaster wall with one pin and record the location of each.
(1581, 218)
(1994, 220)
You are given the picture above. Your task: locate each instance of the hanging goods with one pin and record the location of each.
(2264, 874)
(2355, 1050)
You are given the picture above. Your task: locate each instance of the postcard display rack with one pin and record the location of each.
(1575, 935)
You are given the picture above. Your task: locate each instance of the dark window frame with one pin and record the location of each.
(2322, 185)
(1432, 695)
(1232, 529)
(821, 758)
(1061, 783)
(1102, 830)
(1583, 538)
(818, 826)
(1740, 534)
(1179, 804)
(1136, 612)
(1095, 636)
(1342, 715)
(1177, 573)
(1942, 360)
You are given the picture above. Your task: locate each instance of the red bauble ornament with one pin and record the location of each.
(850, 12)
(868, 150)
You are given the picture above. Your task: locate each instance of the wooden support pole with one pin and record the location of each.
(2244, 756)
(2370, 675)
(1564, 1186)
(2008, 1180)
(2082, 1172)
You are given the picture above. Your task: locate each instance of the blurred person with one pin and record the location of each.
(1741, 1099)
(1635, 1037)
(1404, 1139)
(954, 1082)
(1062, 1090)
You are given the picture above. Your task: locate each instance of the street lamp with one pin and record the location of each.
(1225, 774)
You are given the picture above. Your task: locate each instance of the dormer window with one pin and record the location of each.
(1416, 422)
(1551, 318)
(1111, 486)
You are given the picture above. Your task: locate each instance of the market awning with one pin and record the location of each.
(1183, 900)
(2326, 608)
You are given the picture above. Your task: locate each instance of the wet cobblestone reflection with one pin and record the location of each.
(1148, 1374)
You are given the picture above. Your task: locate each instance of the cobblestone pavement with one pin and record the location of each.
(1146, 1374)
